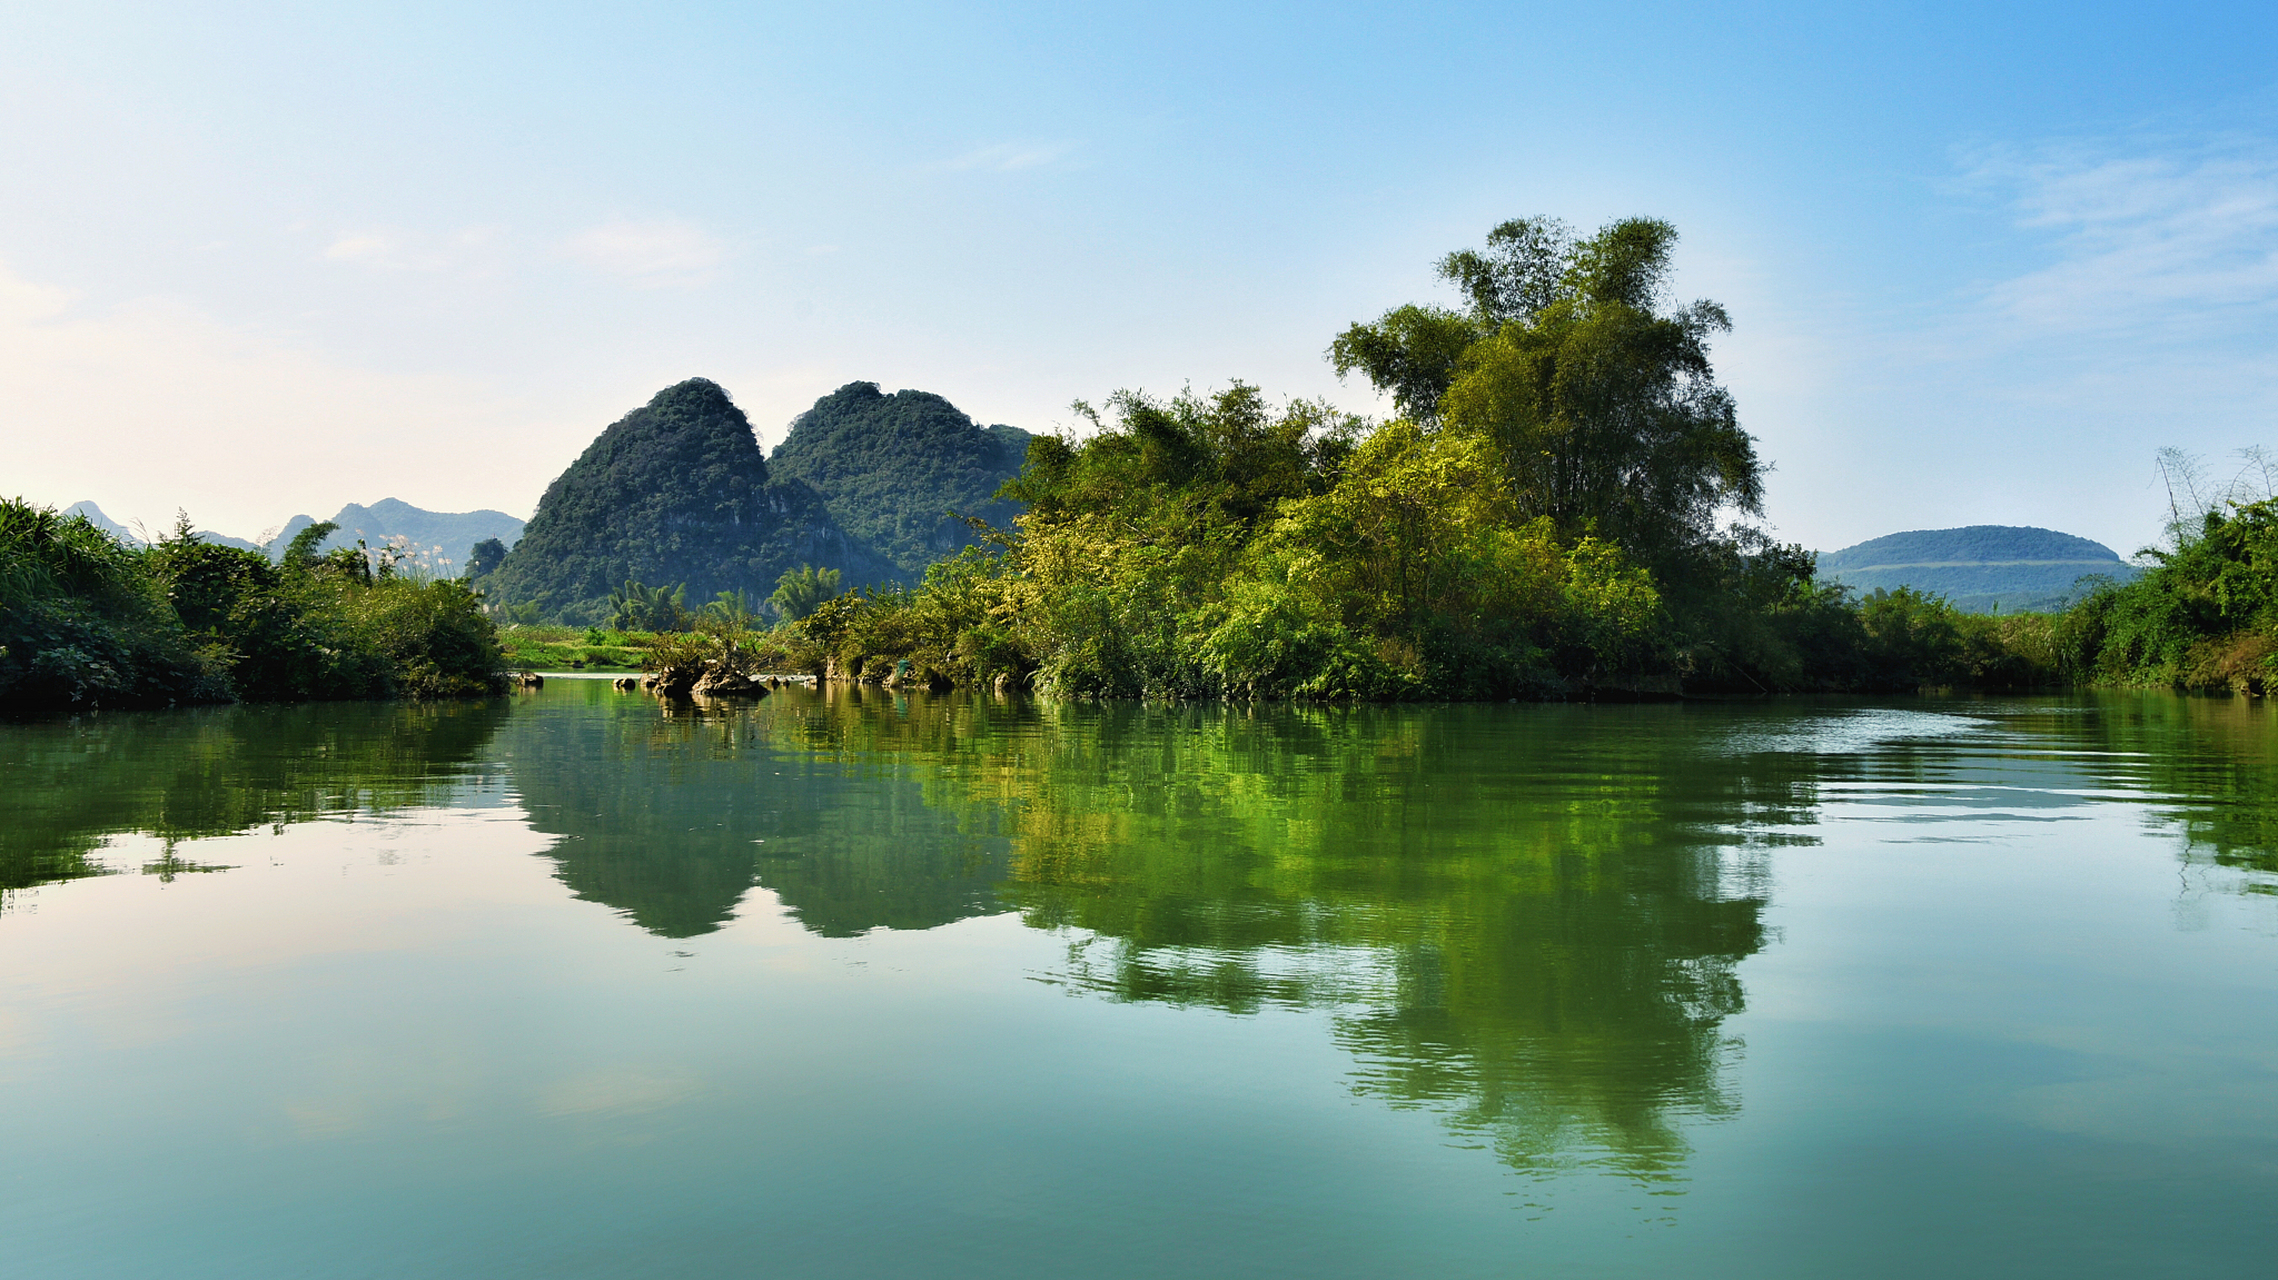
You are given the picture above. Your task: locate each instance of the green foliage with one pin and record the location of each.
(902, 473)
(675, 491)
(1224, 547)
(547, 648)
(2205, 616)
(485, 557)
(1600, 399)
(82, 626)
(801, 591)
(302, 551)
(634, 607)
(1411, 353)
(730, 608)
(88, 622)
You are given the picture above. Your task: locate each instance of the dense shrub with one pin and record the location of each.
(2205, 616)
(89, 622)
(83, 626)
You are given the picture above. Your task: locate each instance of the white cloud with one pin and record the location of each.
(1008, 157)
(359, 248)
(2160, 244)
(2139, 309)
(664, 253)
(469, 251)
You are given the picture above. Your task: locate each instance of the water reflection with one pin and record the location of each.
(66, 788)
(2212, 766)
(671, 812)
(2204, 768)
(1530, 923)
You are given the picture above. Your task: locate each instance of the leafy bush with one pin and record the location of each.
(89, 622)
(2206, 616)
(82, 626)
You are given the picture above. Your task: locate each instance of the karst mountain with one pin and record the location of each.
(675, 492)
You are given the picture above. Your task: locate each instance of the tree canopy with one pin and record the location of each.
(1596, 392)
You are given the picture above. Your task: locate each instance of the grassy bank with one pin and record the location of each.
(541, 647)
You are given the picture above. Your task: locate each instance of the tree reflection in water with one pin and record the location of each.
(1529, 922)
(67, 787)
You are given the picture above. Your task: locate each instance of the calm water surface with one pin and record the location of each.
(578, 984)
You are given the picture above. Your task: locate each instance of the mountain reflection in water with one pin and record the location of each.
(1529, 921)
(1512, 919)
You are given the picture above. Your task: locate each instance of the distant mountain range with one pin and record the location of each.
(96, 517)
(1982, 568)
(437, 541)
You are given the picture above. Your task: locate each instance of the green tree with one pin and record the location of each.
(730, 609)
(634, 607)
(801, 591)
(302, 552)
(485, 557)
(1598, 394)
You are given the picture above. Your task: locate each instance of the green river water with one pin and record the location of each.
(859, 984)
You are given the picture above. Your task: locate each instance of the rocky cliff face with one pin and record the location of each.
(674, 492)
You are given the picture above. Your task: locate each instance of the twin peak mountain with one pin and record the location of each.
(678, 492)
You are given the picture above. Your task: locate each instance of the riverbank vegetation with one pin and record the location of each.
(1559, 511)
(2205, 616)
(87, 621)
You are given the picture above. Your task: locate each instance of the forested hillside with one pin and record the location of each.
(675, 492)
(1983, 568)
(898, 471)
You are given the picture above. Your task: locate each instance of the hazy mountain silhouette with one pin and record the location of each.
(1985, 568)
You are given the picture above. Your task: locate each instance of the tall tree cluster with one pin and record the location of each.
(1594, 388)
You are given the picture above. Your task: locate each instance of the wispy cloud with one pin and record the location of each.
(663, 253)
(469, 250)
(1008, 157)
(2153, 241)
(360, 248)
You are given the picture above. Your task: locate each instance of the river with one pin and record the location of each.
(853, 983)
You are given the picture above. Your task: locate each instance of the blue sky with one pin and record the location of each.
(261, 259)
